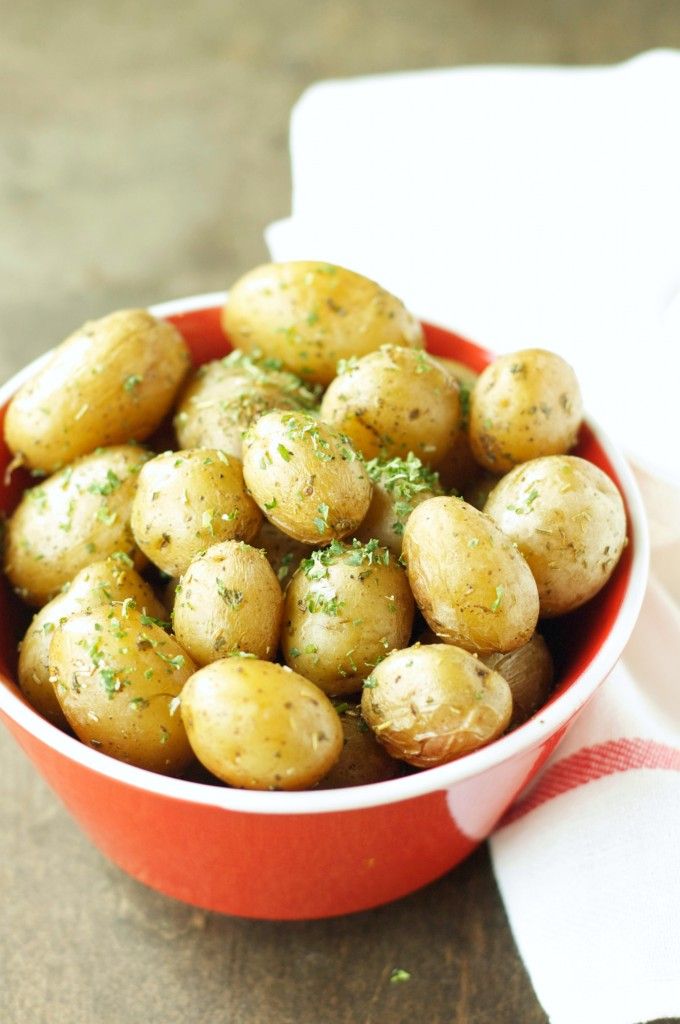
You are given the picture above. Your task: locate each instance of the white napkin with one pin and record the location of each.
(540, 207)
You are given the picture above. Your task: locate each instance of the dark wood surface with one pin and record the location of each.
(144, 148)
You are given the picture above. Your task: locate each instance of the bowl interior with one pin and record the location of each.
(575, 639)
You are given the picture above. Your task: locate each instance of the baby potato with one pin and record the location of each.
(257, 725)
(283, 553)
(529, 673)
(73, 518)
(393, 402)
(363, 760)
(305, 476)
(224, 397)
(471, 584)
(117, 679)
(345, 607)
(110, 583)
(567, 518)
(228, 599)
(398, 486)
(430, 705)
(110, 382)
(186, 501)
(310, 315)
(524, 405)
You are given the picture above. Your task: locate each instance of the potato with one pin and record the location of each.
(228, 599)
(472, 585)
(363, 760)
(310, 315)
(224, 397)
(393, 402)
(110, 382)
(345, 608)
(398, 486)
(529, 673)
(430, 705)
(283, 553)
(305, 476)
(117, 679)
(478, 489)
(567, 518)
(524, 405)
(260, 726)
(75, 517)
(186, 501)
(108, 583)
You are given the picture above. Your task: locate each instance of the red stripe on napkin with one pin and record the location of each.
(593, 763)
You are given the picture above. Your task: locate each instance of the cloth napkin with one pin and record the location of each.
(541, 207)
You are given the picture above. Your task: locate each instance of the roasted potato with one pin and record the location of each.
(305, 476)
(111, 382)
(224, 397)
(310, 315)
(395, 401)
(188, 500)
(567, 518)
(112, 583)
(472, 585)
(260, 726)
(398, 486)
(283, 553)
(529, 673)
(524, 405)
(345, 608)
(228, 599)
(73, 518)
(363, 760)
(430, 705)
(117, 679)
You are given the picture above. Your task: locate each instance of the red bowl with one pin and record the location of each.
(322, 853)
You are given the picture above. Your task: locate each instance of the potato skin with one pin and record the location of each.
(115, 679)
(257, 725)
(310, 315)
(473, 587)
(430, 705)
(529, 672)
(228, 599)
(108, 583)
(77, 516)
(283, 553)
(363, 760)
(395, 401)
(345, 608)
(398, 486)
(110, 382)
(568, 520)
(188, 500)
(306, 477)
(524, 405)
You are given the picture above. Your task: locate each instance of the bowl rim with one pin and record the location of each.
(529, 736)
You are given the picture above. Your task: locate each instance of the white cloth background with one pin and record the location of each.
(541, 207)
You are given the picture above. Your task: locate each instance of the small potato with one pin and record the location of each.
(110, 583)
(283, 553)
(75, 517)
(529, 673)
(345, 607)
(306, 477)
(112, 381)
(186, 501)
(430, 705)
(117, 679)
(260, 726)
(393, 402)
(524, 405)
(471, 584)
(363, 760)
(567, 518)
(398, 486)
(224, 397)
(311, 315)
(228, 599)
